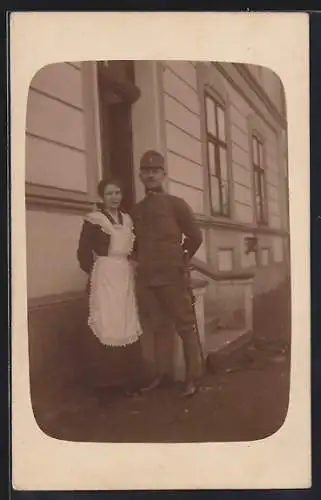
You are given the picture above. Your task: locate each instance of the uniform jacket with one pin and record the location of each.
(164, 227)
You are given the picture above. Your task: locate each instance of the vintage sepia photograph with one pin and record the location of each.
(158, 251)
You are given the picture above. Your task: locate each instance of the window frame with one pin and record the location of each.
(217, 144)
(230, 249)
(268, 250)
(259, 172)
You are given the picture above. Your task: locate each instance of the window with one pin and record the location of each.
(259, 179)
(265, 256)
(217, 156)
(225, 259)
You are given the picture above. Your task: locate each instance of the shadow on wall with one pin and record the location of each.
(56, 352)
(271, 304)
(272, 313)
(269, 279)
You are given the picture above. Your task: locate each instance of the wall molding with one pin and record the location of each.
(259, 90)
(209, 221)
(166, 65)
(55, 98)
(55, 299)
(59, 299)
(209, 272)
(51, 197)
(214, 82)
(40, 200)
(49, 301)
(256, 101)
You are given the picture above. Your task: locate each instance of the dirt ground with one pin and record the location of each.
(246, 399)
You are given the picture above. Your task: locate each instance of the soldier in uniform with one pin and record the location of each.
(166, 232)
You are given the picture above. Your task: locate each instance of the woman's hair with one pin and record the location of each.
(108, 182)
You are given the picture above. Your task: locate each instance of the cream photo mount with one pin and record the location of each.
(280, 461)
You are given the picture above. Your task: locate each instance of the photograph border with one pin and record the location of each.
(18, 324)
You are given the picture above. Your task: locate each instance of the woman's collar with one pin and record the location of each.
(112, 218)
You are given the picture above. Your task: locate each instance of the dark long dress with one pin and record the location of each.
(105, 366)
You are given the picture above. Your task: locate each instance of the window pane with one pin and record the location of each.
(254, 149)
(262, 187)
(225, 197)
(211, 158)
(225, 260)
(257, 182)
(260, 154)
(210, 116)
(223, 164)
(221, 123)
(215, 193)
(258, 206)
(265, 256)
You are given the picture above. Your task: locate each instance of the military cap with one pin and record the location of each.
(151, 159)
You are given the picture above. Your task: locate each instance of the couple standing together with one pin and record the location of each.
(137, 279)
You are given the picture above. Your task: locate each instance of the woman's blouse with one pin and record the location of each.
(93, 241)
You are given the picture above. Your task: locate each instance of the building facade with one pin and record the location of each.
(223, 132)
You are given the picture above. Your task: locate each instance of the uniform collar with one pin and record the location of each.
(152, 191)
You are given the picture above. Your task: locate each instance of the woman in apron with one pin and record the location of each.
(105, 244)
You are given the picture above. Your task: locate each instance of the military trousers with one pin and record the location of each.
(165, 310)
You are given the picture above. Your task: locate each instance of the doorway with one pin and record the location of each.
(117, 92)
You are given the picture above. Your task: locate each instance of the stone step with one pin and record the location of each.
(226, 340)
(222, 346)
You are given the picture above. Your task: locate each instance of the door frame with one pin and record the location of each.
(116, 87)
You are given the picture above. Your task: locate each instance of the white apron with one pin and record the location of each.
(113, 315)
